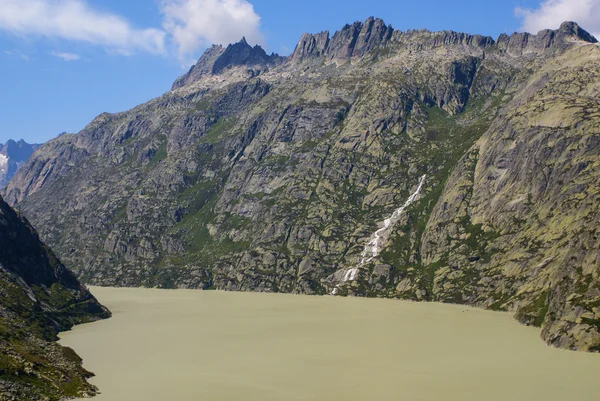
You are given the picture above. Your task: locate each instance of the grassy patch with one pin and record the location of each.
(535, 313)
(216, 132)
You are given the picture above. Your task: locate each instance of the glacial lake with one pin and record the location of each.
(184, 345)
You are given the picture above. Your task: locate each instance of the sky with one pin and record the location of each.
(63, 62)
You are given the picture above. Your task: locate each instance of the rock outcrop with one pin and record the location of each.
(525, 43)
(264, 174)
(354, 40)
(217, 59)
(38, 298)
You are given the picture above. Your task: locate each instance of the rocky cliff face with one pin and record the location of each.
(354, 40)
(434, 166)
(38, 298)
(12, 156)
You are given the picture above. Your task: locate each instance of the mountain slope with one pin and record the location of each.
(38, 298)
(12, 156)
(525, 204)
(283, 174)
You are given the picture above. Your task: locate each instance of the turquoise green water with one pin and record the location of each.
(193, 345)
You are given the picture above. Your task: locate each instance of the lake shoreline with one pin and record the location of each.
(180, 344)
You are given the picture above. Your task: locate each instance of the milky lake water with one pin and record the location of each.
(192, 345)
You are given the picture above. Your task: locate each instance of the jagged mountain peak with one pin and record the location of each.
(570, 28)
(560, 39)
(352, 40)
(217, 59)
(361, 37)
(240, 53)
(12, 155)
(20, 149)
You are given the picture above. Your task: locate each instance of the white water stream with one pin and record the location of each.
(375, 244)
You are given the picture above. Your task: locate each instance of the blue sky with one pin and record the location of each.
(62, 62)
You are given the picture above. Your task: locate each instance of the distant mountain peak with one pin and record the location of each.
(12, 155)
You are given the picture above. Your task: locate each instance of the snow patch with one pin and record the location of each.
(3, 163)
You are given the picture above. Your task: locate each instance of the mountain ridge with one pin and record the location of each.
(275, 177)
(355, 40)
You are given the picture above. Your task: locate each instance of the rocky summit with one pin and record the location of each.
(38, 298)
(12, 156)
(432, 166)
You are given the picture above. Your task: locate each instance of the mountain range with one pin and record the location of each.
(431, 166)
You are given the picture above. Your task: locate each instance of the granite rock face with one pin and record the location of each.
(559, 40)
(261, 173)
(354, 40)
(524, 206)
(217, 58)
(38, 298)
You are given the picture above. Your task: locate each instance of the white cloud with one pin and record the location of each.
(75, 20)
(551, 13)
(18, 54)
(190, 25)
(66, 56)
(196, 24)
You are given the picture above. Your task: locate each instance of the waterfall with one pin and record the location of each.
(373, 247)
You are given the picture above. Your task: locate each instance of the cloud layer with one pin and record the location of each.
(75, 20)
(188, 25)
(66, 56)
(551, 13)
(193, 24)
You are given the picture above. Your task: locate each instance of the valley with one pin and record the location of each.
(369, 217)
(265, 173)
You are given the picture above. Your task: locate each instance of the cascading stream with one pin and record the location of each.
(373, 247)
